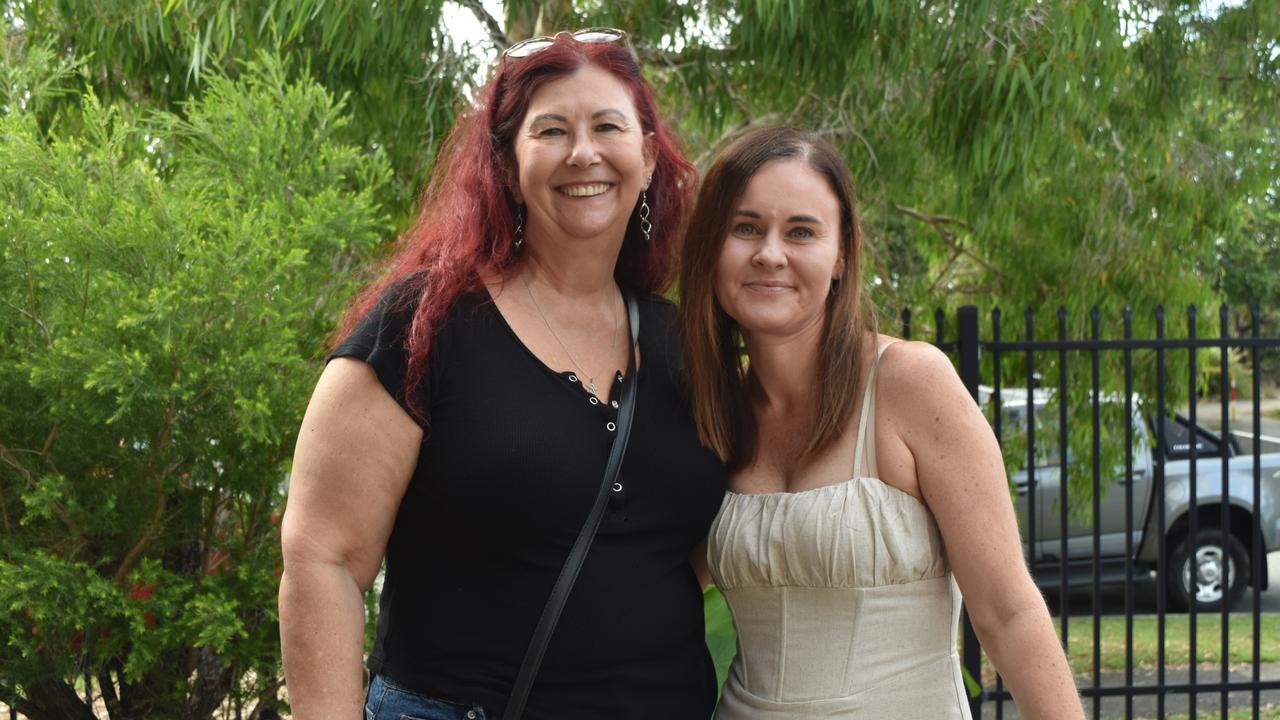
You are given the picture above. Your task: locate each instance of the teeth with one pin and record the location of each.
(585, 190)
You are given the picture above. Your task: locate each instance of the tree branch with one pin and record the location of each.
(7, 455)
(491, 24)
(131, 557)
(268, 700)
(48, 336)
(4, 513)
(157, 516)
(946, 269)
(48, 441)
(934, 220)
(4, 506)
(58, 510)
(939, 224)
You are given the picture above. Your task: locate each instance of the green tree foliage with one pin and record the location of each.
(396, 69)
(1007, 152)
(167, 285)
(1247, 272)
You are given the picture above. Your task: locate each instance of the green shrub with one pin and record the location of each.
(166, 289)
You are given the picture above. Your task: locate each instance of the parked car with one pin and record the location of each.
(1200, 568)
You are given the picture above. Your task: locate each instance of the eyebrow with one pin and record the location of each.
(793, 219)
(560, 118)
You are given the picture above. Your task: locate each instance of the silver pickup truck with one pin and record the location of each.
(1198, 567)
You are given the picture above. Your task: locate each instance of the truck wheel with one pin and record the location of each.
(1200, 569)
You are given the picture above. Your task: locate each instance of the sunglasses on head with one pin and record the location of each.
(532, 46)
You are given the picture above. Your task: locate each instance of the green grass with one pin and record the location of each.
(1177, 641)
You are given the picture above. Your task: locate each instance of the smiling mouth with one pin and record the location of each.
(586, 190)
(767, 287)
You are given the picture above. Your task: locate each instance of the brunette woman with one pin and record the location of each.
(866, 489)
(463, 426)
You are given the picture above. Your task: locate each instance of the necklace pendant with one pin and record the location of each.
(591, 387)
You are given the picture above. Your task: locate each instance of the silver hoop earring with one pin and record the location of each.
(646, 227)
(519, 239)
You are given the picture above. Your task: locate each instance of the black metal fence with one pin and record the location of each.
(1215, 514)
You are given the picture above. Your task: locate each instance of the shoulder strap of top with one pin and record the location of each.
(866, 421)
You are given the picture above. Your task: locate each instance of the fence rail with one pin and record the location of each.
(1213, 514)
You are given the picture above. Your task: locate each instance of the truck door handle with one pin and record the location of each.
(1138, 474)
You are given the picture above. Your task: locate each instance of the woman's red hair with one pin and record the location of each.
(466, 226)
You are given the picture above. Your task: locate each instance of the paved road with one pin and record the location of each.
(1240, 417)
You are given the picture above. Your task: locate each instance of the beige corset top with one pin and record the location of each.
(842, 599)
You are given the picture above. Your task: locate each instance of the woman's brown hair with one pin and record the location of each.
(712, 340)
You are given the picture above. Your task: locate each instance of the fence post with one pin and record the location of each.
(967, 350)
(967, 347)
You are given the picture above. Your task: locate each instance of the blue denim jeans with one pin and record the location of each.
(387, 701)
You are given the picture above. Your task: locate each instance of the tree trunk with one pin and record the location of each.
(154, 695)
(52, 700)
(115, 710)
(209, 687)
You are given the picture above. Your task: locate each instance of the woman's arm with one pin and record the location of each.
(356, 452)
(962, 478)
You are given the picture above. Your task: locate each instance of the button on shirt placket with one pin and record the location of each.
(609, 411)
(617, 495)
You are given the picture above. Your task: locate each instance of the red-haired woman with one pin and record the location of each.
(864, 482)
(464, 426)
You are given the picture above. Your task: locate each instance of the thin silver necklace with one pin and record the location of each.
(590, 385)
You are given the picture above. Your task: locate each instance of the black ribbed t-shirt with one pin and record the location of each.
(511, 461)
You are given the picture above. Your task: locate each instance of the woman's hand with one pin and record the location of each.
(962, 478)
(355, 455)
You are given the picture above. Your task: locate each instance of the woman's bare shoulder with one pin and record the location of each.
(911, 360)
(918, 384)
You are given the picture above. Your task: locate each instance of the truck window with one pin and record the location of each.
(1178, 438)
(1047, 435)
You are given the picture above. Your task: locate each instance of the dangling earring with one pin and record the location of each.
(835, 286)
(519, 228)
(646, 227)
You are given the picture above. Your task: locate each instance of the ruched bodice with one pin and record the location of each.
(842, 599)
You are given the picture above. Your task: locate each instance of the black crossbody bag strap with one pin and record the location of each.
(573, 563)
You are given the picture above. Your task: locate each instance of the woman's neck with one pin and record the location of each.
(584, 278)
(581, 270)
(784, 371)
